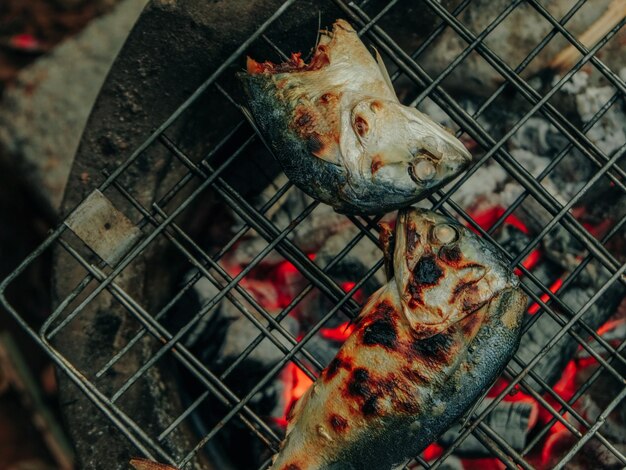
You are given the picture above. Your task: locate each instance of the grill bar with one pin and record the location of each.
(417, 74)
(592, 432)
(537, 358)
(164, 220)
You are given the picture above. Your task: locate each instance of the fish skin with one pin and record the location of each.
(411, 368)
(341, 135)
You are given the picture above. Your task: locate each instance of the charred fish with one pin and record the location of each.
(341, 135)
(425, 347)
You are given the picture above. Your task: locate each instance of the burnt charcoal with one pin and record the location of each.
(510, 420)
(231, 333)
(224, 332)
(349, 270)
(309, 235)
(322, 349)
(559, 245)
(512, 239)
(513, 39)
(540, 137)
(540, 334)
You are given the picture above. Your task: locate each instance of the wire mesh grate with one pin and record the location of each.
(163, 232)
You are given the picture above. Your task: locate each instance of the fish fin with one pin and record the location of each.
(509, 306)
(145, 464)
(326, 149)
(383, 70)
(387, 243)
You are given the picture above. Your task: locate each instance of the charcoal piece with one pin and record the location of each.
(539, 136)
(512, 239)
(309, 235)
(224, 332)
(510, 420)
(452, 463)
(239, 332)
(322, 349)
(559, 245)
(540, 334)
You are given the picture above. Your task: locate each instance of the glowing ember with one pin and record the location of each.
(534, 308)
(530, 261)
(338, 334)
(432, 452)
(296, 383)
(25, 42)
(488, 217)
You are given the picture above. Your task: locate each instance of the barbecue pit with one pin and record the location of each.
(177, 227)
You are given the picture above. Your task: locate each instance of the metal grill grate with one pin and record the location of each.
(136, 233)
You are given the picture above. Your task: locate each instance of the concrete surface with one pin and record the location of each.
(43, 115)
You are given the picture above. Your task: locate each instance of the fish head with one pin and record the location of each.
(443, 271)
(397, 147)
(337, 128)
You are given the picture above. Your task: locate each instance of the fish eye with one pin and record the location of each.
(361, 126)
(424, 170)
(376, 106)
(444, 234)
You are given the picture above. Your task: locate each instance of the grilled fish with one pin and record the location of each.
(424, 348)
(341, 135)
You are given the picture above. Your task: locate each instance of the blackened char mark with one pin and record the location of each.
(450, 254)
(315, 143)
(437, 348)
(412, 237)
(358, 383)
(370, 406)
(339, 362)
(427, 271)
(291, 466)
(380, 333)
(303, 119)
(338, 423)
(408, 407)
(415, 375)
(366, 390)
(383, 310)
(379, 328)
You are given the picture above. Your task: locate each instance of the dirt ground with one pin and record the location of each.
(28, 29)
